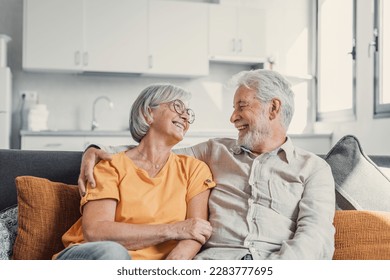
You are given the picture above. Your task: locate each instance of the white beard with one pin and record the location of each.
(256, 137)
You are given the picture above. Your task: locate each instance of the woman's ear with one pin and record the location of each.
(149, 118)
(274, 108)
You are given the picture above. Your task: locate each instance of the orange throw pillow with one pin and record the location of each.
(362, 235)
(45, 211)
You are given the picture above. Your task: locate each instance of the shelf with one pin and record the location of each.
(245, 60)
(296, 79)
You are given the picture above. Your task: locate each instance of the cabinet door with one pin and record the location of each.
(178, 38)
(115, 36)
(52, 35)
(237, 34)
(222, 31)
(251, 34)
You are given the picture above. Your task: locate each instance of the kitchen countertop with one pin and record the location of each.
(319, 143)
(75, 133)
(125, 133)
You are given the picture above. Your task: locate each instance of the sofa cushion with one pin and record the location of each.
(8, 231)
(360, 185)
(46, 210)
(362, 235)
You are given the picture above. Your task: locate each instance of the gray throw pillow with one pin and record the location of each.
(8, 231)
(360, 184)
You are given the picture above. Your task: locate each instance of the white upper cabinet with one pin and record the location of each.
(178, 40)
(89, 35)
(115, 36)
(237, 34)
(53, 34)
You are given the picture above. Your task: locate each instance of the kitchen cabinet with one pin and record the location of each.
(178, 42)
(125, 36)
(52, 34)
(115, 35)
(52, 143)
(237, 34)
(88, 35)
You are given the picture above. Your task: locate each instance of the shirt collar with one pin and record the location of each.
(287, 147)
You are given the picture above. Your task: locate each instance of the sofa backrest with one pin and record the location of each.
(57, 166)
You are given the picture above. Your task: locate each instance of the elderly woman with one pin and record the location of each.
(148, 203)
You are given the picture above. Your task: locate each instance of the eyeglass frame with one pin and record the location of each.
(181, 108)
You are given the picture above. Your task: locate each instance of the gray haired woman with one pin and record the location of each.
(148, 203)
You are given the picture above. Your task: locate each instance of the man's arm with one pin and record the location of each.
(314, 235)
(92, 155)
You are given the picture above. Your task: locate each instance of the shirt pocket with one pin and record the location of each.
(285, 197)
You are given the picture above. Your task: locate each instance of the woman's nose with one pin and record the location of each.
(185, 116)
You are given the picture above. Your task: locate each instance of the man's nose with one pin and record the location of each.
(234, 117)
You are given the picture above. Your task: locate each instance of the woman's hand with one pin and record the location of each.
(193, 228)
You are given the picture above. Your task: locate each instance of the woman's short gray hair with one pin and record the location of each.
(269, 84)
(151, 97)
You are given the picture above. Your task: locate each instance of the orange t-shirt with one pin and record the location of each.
(145, 200)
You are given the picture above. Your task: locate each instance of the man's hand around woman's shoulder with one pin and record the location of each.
(90, 158)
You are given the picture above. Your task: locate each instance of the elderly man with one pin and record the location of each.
(272, 200)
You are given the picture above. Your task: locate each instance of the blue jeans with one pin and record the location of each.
(100, 250)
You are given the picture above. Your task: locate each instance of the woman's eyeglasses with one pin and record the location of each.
(180, 108)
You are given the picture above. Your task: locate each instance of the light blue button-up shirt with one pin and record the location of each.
(278, 205)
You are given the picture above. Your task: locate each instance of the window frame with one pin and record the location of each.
(336, 115)
(380, 110)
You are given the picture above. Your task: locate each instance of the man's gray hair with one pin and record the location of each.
(151, 97)
(269, 84)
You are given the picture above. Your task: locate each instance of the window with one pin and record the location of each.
(336, 21)
(381, 46)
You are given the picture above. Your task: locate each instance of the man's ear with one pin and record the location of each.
(274, 108)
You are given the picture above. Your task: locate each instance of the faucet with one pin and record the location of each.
(95, 124)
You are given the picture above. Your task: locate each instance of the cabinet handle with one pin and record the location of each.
(77, 58)
(150, 61)
(239, 49)
(85, 58)
(52, 145)
(234, 45)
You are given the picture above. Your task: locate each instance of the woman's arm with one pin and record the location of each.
(99, 224)
(197, 208)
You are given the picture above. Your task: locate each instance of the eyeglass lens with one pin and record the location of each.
(180, 109)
